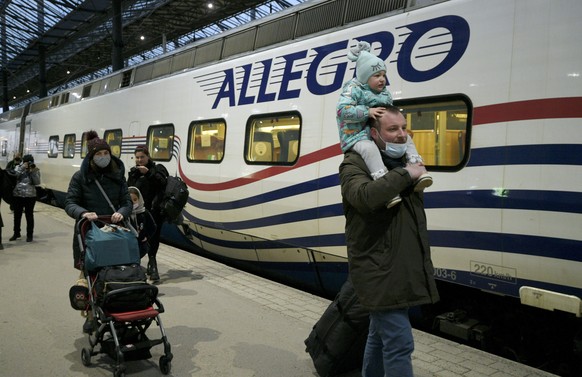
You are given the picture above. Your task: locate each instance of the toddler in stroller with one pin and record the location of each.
(122, 304)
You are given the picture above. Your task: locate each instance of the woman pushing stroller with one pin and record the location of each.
(86, 201)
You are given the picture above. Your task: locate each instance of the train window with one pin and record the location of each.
(53, 150)
(86, 91)
(114, 139)
(440, 127)
(206, 141)
(65, 98)
(273, 139)
(160, 141)
(55, 101)
(69, 146)
(84, 144)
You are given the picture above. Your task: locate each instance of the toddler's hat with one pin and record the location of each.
(367, 64)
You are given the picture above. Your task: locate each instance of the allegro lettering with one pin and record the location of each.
(446, 40)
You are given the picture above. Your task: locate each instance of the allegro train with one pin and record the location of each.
(492, 93)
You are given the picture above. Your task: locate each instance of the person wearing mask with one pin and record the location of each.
(85, 200)
(388, 250)
(27, 178)
(151, 179)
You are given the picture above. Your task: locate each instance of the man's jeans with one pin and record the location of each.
(390, 345)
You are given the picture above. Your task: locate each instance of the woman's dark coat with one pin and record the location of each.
(84, 195)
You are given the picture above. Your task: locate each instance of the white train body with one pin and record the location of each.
(505, 218)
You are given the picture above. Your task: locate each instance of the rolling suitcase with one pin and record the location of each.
(337, 341)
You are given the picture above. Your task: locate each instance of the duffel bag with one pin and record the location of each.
(109, 246)
(113, 278)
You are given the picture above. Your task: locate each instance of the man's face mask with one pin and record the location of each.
(393, 150)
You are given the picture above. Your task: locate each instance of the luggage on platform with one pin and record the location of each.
(336, 343)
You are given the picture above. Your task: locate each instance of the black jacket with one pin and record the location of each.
(151, 185)
(84, 195)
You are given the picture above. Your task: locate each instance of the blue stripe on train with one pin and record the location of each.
(548, 154)
(538, 200)
(559, 248)
(301, 188)
(558, 201)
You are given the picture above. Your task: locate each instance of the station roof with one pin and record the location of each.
(75, 36)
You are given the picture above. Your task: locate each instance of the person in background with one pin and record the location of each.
(142, 221)
(388, 250)
(27, 178)
(151, 179)
(14, 162)
(84, 199)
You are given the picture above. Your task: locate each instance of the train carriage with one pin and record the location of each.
(492, 94)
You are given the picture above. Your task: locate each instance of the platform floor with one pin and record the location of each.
(220, 321)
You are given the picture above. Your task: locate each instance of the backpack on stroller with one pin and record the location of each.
(122, 304)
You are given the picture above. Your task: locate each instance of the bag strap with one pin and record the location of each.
(126, 222)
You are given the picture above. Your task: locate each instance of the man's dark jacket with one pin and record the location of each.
(388, 249)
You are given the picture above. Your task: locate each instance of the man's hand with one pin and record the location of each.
(415, 170)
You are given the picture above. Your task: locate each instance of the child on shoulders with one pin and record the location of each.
(363, 97)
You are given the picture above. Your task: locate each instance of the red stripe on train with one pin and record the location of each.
(319, 155)
(567, 107)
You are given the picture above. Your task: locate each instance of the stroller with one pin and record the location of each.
(120, 316)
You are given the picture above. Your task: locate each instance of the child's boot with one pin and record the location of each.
(395, 200)
(423, 182)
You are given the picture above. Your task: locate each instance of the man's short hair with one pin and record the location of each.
(376, 123)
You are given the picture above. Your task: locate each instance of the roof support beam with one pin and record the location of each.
(117, 54)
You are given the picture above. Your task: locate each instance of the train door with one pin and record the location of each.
(28, 138)
(9, 139)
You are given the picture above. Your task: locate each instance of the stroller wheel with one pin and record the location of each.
(86, 356)
(165, 364)
(119, 372)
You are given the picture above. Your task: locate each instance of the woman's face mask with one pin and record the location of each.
(102, 161)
